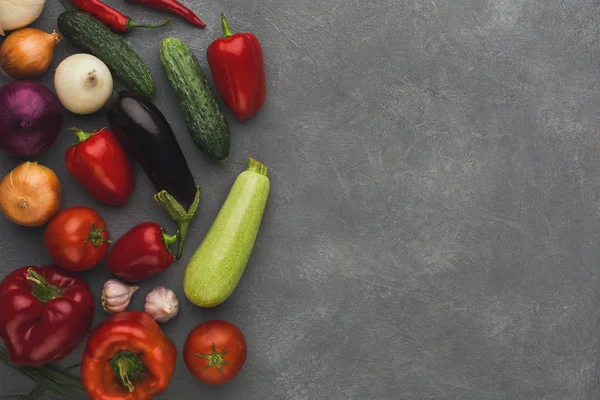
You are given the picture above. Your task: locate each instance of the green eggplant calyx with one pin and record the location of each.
(179, 214)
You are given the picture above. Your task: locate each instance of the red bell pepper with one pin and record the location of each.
(142, 252)
(237, 66)
(100, 164)
(46, 313)
(127, 357)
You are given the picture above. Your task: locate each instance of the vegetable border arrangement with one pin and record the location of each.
(127, 356)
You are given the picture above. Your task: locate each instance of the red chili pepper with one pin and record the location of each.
(127, 357)
(99, 163)
(110, 17)
(174, 7)
(237, 66)
(46, 314)
(142, 252)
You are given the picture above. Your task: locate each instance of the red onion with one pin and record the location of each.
(30, 118)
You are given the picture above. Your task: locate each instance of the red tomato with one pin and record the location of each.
(215, 351)
(77, 239)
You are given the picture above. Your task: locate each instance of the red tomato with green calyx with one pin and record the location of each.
(215, 351)
(77, 239)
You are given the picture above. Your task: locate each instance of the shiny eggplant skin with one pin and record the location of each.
(147, 136)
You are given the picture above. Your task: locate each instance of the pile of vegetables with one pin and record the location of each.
(51, 308)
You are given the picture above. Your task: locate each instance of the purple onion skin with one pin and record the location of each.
(30, 118)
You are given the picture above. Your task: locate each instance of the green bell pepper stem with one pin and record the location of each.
(41, 289)
(226, 29)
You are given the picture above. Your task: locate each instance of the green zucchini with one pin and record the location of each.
(216, 268)
(206, 123)
(91, 35)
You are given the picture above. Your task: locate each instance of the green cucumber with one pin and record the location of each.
(206, 123)
(216, 268)
(91, 35)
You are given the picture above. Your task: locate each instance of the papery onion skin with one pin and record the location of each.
(28, 53)
(15, 14)
(30, 118)
(83, 83)
(30, 195)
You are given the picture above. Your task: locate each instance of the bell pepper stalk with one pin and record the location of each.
(145, 250)
(46, 314)
(131, 348)
(238, 69)
(180, 215)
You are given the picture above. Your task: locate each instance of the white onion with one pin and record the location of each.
(83, 83)
(15, 14)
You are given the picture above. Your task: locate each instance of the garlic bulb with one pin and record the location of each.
(15, 14)
(162, 304)
(116, 296)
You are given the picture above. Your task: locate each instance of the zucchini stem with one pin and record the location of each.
(179, 214)
(258, 167)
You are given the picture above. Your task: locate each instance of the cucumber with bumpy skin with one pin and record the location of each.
(91, 35)
(216, 268)
(206, 123)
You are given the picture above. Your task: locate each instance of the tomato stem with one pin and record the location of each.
(128, 367)
(215, 359)
(41, 288)
(95, 236)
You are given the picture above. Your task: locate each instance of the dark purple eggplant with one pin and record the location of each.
(146, 134)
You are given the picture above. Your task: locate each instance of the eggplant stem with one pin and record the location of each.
(179, 214)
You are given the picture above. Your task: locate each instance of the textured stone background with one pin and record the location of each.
(433, 226)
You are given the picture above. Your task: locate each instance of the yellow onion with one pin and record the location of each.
(27, 53)
(30, 195)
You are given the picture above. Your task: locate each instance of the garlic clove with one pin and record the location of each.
(116, 296)
(161, 304)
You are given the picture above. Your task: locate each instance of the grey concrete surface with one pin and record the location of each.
(432, 231)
